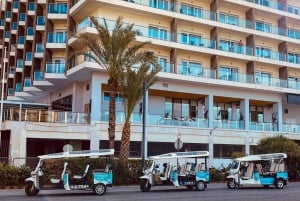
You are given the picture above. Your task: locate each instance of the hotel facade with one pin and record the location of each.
(230, 75)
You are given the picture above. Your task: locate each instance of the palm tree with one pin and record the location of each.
(132, 86)
(113, 50)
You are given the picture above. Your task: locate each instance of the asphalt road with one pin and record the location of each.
(214, 192)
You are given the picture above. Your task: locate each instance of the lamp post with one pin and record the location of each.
(2, 96)
(144, 143)
(211, 146)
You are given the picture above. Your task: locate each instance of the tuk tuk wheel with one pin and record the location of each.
(145, 186)
(279, 183)
(231, 184)
(200, 185)
(30, 189)
(100, 189)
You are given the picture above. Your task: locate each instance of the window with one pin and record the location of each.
(262, 26)
(227, 45)
(119, 97)
(158, 33)
(263, 78)
(191, 68)
(163, 63)
(191, 39)
(191, 10)
(293, 33)
(229, 19)
(294, 83)
(228, 73)
(262, 2)
(263, 52)
(180, 109)
(256, 114)
(223, 111)
(161, 4)
(294, 57)
(294, 10)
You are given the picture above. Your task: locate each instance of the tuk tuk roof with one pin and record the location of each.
(262, 157)
(82, 153)
(188, 154)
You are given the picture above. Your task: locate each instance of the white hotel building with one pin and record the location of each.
(230, 75)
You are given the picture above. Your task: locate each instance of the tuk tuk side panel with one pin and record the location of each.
(202, 176)
(102, 177)
(174, 176)
(283, 175)
(267, 180)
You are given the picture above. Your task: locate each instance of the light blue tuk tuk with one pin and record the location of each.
(179, 169)
(101, 178)
(255, 170)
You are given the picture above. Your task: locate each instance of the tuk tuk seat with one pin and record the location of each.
(83, 174)
(249, 171)
(166, 173)
(55, 181)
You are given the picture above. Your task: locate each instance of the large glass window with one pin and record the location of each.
(228, 73)
(157, 33)
(227, 45)
(262, 26)
(263, 52)
(229, 19)
(191, 39)
(191, 10)
(263, 78)
(180, 109)
(191, 68)
(161, 4)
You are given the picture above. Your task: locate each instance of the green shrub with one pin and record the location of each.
(13, 176)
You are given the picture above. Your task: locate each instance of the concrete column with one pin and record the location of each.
(247, 113)
(211, 147)
(94, 138)
(278, 111)
(210, 103)
(96, 95)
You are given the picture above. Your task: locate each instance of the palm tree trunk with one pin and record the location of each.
(125, 144)
(113, 84)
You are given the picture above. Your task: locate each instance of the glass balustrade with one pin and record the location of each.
(27, 82)
(39, 48)
(15, 5)
(28, 56)
(8, 14)
(59, 37)
(10, 91)
(20, 63)
(2, 22)
(38, 76)
(55, 68)
(19, 87)
(40, 20)
(14, 26)
(22, 17)
(30, 31)
(58, 8)
(21, 40)
(31, 6)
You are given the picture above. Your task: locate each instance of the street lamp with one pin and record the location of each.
(2, 95)
(144, 142)
(211, 146)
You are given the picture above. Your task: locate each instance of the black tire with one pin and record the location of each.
(200, 185)
(231, 184)
(279, 183)
(99, 189)
(145, 186)
(30, 189)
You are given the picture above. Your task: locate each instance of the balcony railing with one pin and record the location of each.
(30, 31)
(28, 56)
(38, 76)
(22, 17)
(31, 6)
(55, 68)
(27, 82)
(42, 115)
(39, 48)
(19, 87)
(40, 21)
(56, 38)
(58, 8)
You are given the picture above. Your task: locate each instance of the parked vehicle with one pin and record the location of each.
(179, 169)
(263, 169)
(101, 178)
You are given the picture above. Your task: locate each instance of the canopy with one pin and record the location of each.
(83, 153)
(262, 157)
(188, 154)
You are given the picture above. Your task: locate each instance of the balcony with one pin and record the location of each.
(21, 41)
(22, 19)
(39, 50)
(15, 6)
(14, 28)
(28, 59)
(8, 16)
(29, 33)
(31, 8)
(19, 87)
(57, 11)
(56, 40)
(20, 65)
(27, 82)
(38, 76)
(11, 72)
(2, 23)
(55, 68)
(40, 23)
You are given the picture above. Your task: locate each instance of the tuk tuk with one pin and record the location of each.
(179, 169)
(262, 170)
(101, 178)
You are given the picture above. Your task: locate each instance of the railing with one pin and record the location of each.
(31, 6)
(42, 115)
(58, 8)
(27, 82)
(55, 68)
(19, 87)
(22, 17)
(56, 38)
(40, 21)
(263, 126)
(38, 76)
(229, 124)
(290, 128)
(39, 48)
(30, 31)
